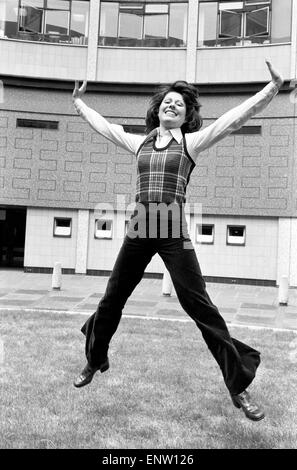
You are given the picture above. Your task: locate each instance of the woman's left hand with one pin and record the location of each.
(275, 75)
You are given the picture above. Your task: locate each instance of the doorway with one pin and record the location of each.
(12, 236)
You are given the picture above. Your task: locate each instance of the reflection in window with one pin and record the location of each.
(64, 21)
(143, 24)
(243, 23)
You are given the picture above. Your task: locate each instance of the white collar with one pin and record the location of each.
(176, 134)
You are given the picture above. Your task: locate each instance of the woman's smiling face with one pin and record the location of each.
(172, 111)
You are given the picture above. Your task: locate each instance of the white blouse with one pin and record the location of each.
(196, 141)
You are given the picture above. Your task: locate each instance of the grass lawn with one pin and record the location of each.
(163, 390)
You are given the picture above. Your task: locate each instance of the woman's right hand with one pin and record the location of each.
(78, 92)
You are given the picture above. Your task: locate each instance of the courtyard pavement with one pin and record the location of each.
(255, 306)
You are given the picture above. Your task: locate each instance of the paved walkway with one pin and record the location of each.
(238, 304)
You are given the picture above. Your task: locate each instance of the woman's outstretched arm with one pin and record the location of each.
(236, 117)
(113, 132)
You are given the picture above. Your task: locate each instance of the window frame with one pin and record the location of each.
(233, 242)
(154, 41)
(61, 235)
(242, 8)
(200, 240)
(101, 236)
(42, 34)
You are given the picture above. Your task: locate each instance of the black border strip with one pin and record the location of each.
(135, 88)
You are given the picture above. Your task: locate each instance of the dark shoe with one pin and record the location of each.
(250, 409)
(87, 374)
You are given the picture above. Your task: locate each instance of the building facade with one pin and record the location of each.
(66, 193)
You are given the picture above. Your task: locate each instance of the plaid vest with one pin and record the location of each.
(163, 174)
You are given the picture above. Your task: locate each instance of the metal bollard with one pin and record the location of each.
(57, 276)
(167, 283)
(283, 291)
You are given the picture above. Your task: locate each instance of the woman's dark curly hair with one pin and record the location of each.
(190, 96)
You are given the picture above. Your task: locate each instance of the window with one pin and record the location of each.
(134, 128)
(103, 228)
(239, 24)
(143, 24)
(63, 21)
(156, 21)
(205, 234)
(8, 18)
(131, 21)
(223, 23)
(248, 130)
(235, 234)
(37, 123)
(79, 22)
(127, 222)
(62, 227)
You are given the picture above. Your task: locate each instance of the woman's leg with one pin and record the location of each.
(134, 256)
(238, 362)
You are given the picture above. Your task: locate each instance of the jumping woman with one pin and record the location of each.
(165, 158)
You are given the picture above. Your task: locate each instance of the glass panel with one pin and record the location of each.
(231, 6)
(230, 24)
(207, 229)
(207, 25)
(131, 21)
(255, 2)
(58, 4)
(156, 25)
(31, 15)
(57, 22)
(108, 27)
(257, 22)
(79, 20)
(235, 235)
(8, 18)
(281, 21)
(178, 24)
(156, 8)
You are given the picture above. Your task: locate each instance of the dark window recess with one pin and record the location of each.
(62, 227)
(134, 129)
(206, 230)
(249, 130)
(236, 231)
(37, 123)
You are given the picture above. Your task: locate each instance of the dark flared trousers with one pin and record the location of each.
(238, 361)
